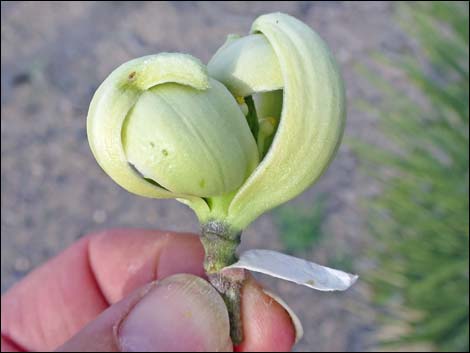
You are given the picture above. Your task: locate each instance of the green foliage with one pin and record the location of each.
(300, 227)
(421, 217)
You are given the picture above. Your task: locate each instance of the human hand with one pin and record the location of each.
(118, 291)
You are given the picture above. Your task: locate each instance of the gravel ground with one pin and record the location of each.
(53, 57)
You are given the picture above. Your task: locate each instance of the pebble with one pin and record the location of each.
(99, 216)
(22, 264)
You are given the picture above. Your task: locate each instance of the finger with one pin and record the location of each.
(53, 302)
(124, 260)
(8, 346)
(56, 300)
(121, 261)
(179, 313)
(267, 326)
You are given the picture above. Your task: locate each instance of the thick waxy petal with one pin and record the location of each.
(269, 104)
(246, 65)
(312, 119)
(114, 99)
(161, 117)
(190, 141)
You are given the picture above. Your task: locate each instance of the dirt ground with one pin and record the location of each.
(53, 57)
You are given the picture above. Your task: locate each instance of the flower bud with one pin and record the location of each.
(160, 127)
(283, 55)
(256, 133)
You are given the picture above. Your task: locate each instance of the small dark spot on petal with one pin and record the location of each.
(152, 144)
(165, 152)
(132, 75)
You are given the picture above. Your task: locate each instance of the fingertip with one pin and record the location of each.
(53, 302)
(181, 313)
(182, 253)
(125, 259)
(267, 326)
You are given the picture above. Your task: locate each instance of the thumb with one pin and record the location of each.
(180, 313)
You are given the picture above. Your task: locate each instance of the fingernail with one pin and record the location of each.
(299, 330)
(181, 313)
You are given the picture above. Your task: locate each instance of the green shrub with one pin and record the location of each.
(421, 215)
(300, 226)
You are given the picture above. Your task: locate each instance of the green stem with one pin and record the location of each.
(220, 242)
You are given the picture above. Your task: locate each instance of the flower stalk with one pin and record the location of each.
(220, 243)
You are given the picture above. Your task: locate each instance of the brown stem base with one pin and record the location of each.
(229, 285)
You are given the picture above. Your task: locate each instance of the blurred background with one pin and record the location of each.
(392, 207)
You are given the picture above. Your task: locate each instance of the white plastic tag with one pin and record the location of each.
(295, 270)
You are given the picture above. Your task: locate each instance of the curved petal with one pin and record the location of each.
(114, 99)
(190, 141)
(311, 123)
(246, 65)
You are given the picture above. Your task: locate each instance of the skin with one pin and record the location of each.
(80, 299)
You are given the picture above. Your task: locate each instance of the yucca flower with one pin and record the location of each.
(253, 130)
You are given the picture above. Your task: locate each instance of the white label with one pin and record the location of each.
(295, 270)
